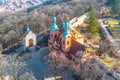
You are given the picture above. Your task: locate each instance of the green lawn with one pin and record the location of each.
(115, 31)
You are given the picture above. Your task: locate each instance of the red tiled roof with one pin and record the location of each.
(2, 7)
(76, 47)
(12, 0)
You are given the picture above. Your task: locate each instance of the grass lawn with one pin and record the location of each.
(108, 61)
(111, 62)
(115, 31)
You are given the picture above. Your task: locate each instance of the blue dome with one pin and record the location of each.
(66, 32)
(27, 29)
(54, 19)
(67, 24)
(54, 26)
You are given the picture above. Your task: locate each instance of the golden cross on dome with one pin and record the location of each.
(54, 12)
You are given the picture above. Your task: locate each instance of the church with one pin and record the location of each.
(29, 38)
(64, 41)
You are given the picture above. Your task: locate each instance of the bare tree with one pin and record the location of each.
(39, 18)
(65, 66)
(104, 49)
(58, 66)
(14, 69)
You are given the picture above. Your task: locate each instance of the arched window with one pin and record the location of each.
(55, 36)
(31, 42)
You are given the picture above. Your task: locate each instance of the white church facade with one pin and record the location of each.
(29, 39)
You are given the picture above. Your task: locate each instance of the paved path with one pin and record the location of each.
(37, 63)
(109, 36)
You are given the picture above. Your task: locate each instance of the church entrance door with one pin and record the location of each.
(31, 42)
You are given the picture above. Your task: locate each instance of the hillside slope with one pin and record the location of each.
(12, 25)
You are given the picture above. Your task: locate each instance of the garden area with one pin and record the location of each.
(115, 32)
(114, 27)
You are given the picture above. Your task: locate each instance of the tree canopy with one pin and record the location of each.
(93, 24)
(115, 7)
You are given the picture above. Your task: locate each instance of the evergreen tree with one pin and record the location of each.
(93, 24)
(115, 7)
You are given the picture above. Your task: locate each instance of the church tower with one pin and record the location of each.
(54, 32)
(66, 37)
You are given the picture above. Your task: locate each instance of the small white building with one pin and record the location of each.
(29, 38)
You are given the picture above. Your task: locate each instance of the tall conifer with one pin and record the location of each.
(93, 24)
